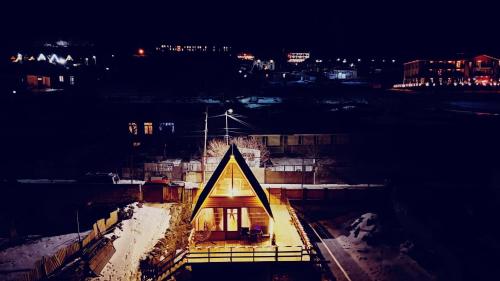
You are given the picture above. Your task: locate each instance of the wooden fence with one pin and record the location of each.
(48, 265)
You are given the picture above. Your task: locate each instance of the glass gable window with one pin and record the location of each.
(232, 182)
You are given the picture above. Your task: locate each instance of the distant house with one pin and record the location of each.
(303, 144)
(232, 202)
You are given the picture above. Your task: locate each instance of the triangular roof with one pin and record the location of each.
(257, 188)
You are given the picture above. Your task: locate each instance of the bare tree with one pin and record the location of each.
(217, 147)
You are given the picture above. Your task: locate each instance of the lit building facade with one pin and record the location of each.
(264, 64)
(183, 48)
(296, 57)
(55, 66)
(478, 70)
(342, 74)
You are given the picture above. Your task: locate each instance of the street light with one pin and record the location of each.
(228, 112)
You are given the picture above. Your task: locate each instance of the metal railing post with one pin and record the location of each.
(208, 254)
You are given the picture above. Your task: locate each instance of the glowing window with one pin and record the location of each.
(293, 140)
(61, 78)
(274, 140)
(148, 128)
(210, 219)
(232, 219)
(167, 126)
(132, 128)
(245, 218)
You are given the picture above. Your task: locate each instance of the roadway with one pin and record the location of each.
(340, 263)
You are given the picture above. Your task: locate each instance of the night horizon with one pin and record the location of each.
(422, 29)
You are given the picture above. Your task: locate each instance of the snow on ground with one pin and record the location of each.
(16, 260)
(136, 238)
(381, 263)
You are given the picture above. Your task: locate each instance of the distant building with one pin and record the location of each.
(264, 64)
(55, 66)
(187, 48)
(341, 74)
(295, 57)
(478, 70)
(245, 56)
(303, 144)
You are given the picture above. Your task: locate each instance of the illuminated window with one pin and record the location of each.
(255, 218)
(245, 218)
(148, 128)
(210, 219)
(132, 128)
(72, 80)
(61, 78)
(274, 140)
(167, 127)
(232, 219)
(293, 140)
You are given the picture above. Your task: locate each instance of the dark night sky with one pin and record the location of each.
(357, 27)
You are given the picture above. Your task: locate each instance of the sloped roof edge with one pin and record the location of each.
(259, 191)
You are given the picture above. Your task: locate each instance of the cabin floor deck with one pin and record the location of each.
(289, 245)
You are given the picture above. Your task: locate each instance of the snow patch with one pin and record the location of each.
(136, 237)
(380, 262)
(23, 257)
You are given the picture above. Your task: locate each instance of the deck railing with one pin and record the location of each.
(248, 254)
(298, 226)
(166, 268)
(169, 266)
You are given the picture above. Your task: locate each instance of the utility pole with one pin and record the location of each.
(204, 160)
(132, 165)
(227, 130)
(78, 228)
(226, 113)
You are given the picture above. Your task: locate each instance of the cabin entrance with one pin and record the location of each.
(232, 223)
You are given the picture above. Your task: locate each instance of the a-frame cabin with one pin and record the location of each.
(232, 202)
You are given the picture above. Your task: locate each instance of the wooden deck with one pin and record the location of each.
(290, 244)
